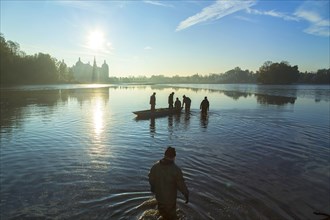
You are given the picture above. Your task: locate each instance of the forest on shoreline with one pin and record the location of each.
(18, 68)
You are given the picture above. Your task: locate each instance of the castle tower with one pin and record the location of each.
(94, 73)
(105, 71)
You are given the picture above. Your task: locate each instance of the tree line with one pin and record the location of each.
(18, 68)
(268, 73)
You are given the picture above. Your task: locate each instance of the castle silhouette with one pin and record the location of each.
(86, 73)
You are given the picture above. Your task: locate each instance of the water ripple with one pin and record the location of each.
(81, 154)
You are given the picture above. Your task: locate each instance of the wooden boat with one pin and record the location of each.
(160, 112)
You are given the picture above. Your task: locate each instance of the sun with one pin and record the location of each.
(95, 40)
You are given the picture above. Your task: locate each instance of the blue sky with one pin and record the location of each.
(173, 37)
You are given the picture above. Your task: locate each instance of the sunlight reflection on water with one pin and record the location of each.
(98, 113)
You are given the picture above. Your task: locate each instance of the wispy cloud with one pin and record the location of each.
(158, 3)
(314, 12)
(272, 13)
(215, 11)
(317, 15)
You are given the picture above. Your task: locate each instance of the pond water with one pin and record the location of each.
(78, 152)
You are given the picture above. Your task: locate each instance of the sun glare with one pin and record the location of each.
(98, 117)
(95, 40)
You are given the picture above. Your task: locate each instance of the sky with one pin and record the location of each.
(144, 38)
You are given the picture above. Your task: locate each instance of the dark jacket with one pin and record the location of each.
(177, 104)
(205, 105)
(187, 101)
(165, 178)
(152, 100)
(170, 98)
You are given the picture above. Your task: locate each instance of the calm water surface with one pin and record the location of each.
(78, 152)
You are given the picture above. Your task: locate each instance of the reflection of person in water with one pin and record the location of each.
(205, 106)
(153, 102)
(186, 102)
(170, 100)
(177, 104)
(152, 125)
(165, 178)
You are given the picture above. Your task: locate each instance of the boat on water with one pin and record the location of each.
(160, 112)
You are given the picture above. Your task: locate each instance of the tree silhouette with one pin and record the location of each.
(18, 68)
(277, 73)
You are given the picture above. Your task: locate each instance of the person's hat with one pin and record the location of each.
(170, 152)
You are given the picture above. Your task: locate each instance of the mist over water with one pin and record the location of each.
(78, 152)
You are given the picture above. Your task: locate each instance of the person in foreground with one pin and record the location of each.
(165, 178)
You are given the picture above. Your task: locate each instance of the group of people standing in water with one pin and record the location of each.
(177, 104)
(186, 102)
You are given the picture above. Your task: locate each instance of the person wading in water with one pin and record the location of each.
(186, 102)
(205, 106)
(165, 178)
